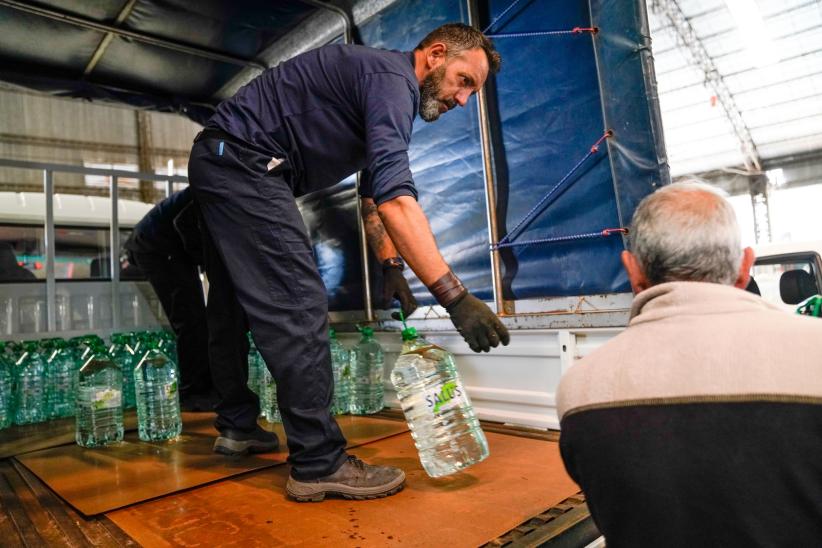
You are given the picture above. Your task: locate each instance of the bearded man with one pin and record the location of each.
(297, 128)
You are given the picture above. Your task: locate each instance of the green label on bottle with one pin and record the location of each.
(445, 397)
(106, 399)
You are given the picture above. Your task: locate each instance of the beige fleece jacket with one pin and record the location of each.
(694, 339)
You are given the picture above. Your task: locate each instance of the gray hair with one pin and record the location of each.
(686, 232)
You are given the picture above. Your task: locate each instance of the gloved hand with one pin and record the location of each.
(394, 286)
(477, 324)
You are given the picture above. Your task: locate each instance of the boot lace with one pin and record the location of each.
(360, 465)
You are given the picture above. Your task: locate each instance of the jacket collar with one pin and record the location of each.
(693, 298)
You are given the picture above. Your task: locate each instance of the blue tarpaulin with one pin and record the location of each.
(553, 99)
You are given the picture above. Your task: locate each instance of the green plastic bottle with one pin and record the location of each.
(268, 398)
(367, 360)
(156, 383)
(61, 378)
(99, 402)
(341, 368)
(30, 385)
(256, 366)
(6, 395)
(123, 354)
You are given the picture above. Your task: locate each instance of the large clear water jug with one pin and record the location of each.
(61, 378)
(156, 384)
(29, 385)
(445, 429)
(99, 404)
(341, 368)
(367, 360)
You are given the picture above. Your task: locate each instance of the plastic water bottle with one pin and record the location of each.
(99, 404)
(268, 398)
(61, 380)
(123, 354)
(439, 413)
(168, 344)
(6, 395)
(256, 366)
(156, 382)
(340, 366)
(367, 360)
(30, 386)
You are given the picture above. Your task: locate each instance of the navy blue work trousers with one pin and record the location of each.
(176, 282)
(257, 237)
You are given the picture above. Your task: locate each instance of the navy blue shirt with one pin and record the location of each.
(331, 112)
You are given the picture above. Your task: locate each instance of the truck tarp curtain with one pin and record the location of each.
(555, 96)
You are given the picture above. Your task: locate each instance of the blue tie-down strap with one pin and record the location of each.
(558, 239)
(534, 34)
(548, 199)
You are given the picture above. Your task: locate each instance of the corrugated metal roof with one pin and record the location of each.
(780, 103)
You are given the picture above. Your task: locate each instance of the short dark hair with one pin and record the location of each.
(458, 38)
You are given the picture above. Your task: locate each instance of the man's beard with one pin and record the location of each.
(429, 95)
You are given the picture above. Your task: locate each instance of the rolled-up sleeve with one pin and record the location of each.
(389, 106)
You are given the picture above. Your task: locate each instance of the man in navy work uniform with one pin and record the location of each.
(169, 261)
(299, 127)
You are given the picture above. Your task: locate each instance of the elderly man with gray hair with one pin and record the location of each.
(701, 423)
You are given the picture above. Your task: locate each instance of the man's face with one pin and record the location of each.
(452, 83)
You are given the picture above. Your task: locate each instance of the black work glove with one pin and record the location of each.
(394, 286)
(477, 324)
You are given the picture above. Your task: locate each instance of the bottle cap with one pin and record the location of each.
(367, 331)
(331, 333)
(409, 334)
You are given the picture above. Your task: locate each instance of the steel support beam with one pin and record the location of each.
(103, 45)
(51, 283)
(700, 58)
(114, 255)
(137, 36)
(142, 120)
(758, 186)
(489, 176)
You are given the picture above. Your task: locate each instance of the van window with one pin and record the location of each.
(768, 273)
(81, 253)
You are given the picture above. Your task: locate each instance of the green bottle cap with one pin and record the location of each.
(367, 332)
(409, 334)
(331, 333)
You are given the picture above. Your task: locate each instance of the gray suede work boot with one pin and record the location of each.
(354, 480)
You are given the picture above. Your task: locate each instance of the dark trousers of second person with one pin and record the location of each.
(176, 282)
(255, 230)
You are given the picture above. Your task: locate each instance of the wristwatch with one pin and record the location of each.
(393, 262)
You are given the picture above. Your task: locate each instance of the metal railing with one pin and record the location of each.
(114, 175)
